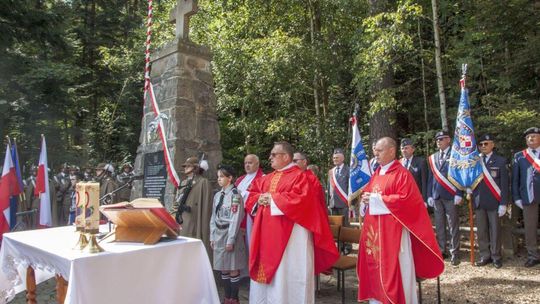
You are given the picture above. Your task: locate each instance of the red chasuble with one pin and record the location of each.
(294, 196)
(317, 188)
(379, 275)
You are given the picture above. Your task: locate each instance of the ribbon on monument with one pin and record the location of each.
(149, 92)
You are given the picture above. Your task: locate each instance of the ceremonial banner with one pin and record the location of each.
(7, 189)
(465, 170)
(360, 172)
(42, 187)
(19, 186)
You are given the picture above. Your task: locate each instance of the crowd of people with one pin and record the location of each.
(62, 188)
(275, 227)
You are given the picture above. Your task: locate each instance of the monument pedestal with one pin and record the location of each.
(184, 90)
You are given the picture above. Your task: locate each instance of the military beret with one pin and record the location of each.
(338, 151)
(486, 137)
(227, 169)
(442, 134)
(532, 130)
(406, 142)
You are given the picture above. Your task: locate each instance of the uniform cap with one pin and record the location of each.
(532, 130)
(442, 134)
(486, 137)
(338, 151)
(191, 161)
(105, 167)
(406, 142)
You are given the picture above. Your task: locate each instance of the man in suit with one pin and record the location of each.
(490, 199)
(526, 190)
(444, 197)
(415, 164)
(338, 181)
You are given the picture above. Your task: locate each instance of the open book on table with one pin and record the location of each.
(142, 220)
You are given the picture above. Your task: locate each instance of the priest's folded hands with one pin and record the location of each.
(264, 199)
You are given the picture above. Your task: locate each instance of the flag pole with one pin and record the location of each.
(22, 195)
(468, 196)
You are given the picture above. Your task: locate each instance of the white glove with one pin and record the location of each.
(457, 200)
(430, 202)
(519, 204)
(502, 210)
(363, 209)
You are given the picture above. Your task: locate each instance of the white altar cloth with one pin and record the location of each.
(176, 271)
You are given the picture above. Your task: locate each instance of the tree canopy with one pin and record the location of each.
(283, 70)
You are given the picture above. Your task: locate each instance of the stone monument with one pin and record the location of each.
(184, 89)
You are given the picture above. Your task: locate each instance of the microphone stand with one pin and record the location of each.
(106, 199)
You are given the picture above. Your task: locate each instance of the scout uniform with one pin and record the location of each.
(227, 214)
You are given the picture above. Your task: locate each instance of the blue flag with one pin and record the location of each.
(359, 168)
(465, 170)
(13, 202)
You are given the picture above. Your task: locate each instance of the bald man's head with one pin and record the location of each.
(385, 150)
(251, 163)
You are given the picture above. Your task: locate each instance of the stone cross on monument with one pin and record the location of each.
(180, 15)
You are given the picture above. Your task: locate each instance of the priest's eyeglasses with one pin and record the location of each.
(274, 154)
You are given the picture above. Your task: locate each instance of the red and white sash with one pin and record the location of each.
(341, 193)
(492, 185)
(440, 177)
(535, 162)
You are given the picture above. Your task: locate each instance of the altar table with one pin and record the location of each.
(175, 271)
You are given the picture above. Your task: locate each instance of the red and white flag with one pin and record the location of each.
(7, 189)
(42, 187)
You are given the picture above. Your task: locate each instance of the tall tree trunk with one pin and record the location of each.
(92, 54)
(423, 66)
(380, 123)
(315, 31)
(438, 64)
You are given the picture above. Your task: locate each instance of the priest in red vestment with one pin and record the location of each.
(397, 244)
(300, 159)
(291, 238)
(253, 172)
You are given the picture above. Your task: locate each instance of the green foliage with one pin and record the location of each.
(283, 70)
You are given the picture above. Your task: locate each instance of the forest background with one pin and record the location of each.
(283, 70)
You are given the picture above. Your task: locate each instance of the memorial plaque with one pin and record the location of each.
(155, 176)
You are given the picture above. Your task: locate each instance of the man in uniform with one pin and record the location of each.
(415, 164)
(193, 204)
(338, 181)
(106, 183)
(396, 234)
(291, 240)
(88, 176)
(32, 200)
(122, 179)
(62, 186)
(526, 190)
(490, 200)
(444, 197)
